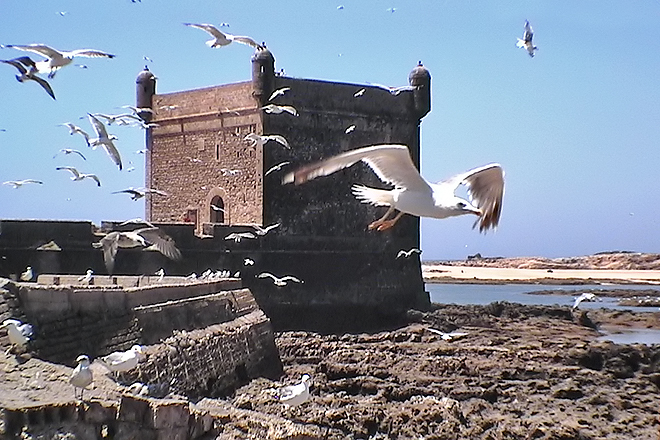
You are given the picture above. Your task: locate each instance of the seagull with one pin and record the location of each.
(104, 139)
(138, 193)
(277, 109)
(121, 119)
(81, 377)
(50, 246)
(73, 129)
(18, 333)
(138, 110)
(263, 231)
(278, 92)
(394, 90)
(138, 220)
(412, 194)
(153, 238)
(349, 129)
(217, 208)
(294, 395)
(57, 59)
(87, 277)
(447, 336)
(586, 296)
(248, 262)
(262, 140)
(277, 167)
(22, 64)
(228, 172)
(408, 253)
(238, 236)
(280, 282)
(222, 39)
(80, 176)
(28, 274)
(19, 183)
(526, 41)
(121, 361)
(359, 92)
(161, 274)
(70, 151)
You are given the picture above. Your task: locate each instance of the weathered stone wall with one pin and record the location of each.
(197, 152)
(134, 418)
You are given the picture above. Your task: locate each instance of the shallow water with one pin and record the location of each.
(487, 293)
(481, 294)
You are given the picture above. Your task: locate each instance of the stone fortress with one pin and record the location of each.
(217, 184)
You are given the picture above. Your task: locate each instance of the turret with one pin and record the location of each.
(145, 87)
(421, 79)
(263, 74)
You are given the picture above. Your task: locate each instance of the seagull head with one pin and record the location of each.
(83, 359)
(11, 323)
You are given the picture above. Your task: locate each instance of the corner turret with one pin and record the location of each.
(145, 87)
(421, 79)
(263, 74)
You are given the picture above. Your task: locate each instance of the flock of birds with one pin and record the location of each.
(412, 194)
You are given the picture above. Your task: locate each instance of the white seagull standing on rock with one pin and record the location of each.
(28, 274)
(87, 277)
(412, 194)
(18, 333)
(102, 138)
(121, 361)
(526, 41)
(77, 175)
(222, 39)
(294, 395)
(57, 59)
(81, 377)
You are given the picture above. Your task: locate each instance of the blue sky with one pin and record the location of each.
(576, 128)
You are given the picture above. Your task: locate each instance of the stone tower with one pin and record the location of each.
(198, 155)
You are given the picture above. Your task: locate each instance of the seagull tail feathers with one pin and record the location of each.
(377, 197)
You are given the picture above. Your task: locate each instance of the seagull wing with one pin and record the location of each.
(278, 138)
(486, 189)
(291, 278)
(211, 30)
(40, 49)
(43, 83)
(98, 126)
(79, 154)
(73, 171)
(94, 177)
(391, 163)
(267, 275)
(90, 53)
(16, 64)
(112, 151)
(245, 40)
(161, 241)
(528, 34)
(110, 243)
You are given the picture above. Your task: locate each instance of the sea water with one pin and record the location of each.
(481, 294)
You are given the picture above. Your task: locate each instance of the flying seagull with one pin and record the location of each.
(280, 282)
(394, 90)
(138, 193)
(102, 138)
(222, 39)
(586, 296)
(28, 72)
(19, 183)
(278, 92)
(263, 231)
(406, 254)
(150, 238)
(359, 92)
(526, 41)
(277, 109)
(238, 236)
(55, 59)
(73, 129)
(18, 333)
(294, 395)
(77, 175)
(70, 151)
(263, 140)
(81, 377)
(412, 194)
(277, 167)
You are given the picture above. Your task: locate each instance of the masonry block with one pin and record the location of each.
(134, 409)
(171, 414)
(99, 413)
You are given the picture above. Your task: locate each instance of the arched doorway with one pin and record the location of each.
(217, 214)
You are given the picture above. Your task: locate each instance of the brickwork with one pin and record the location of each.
(197, 152)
